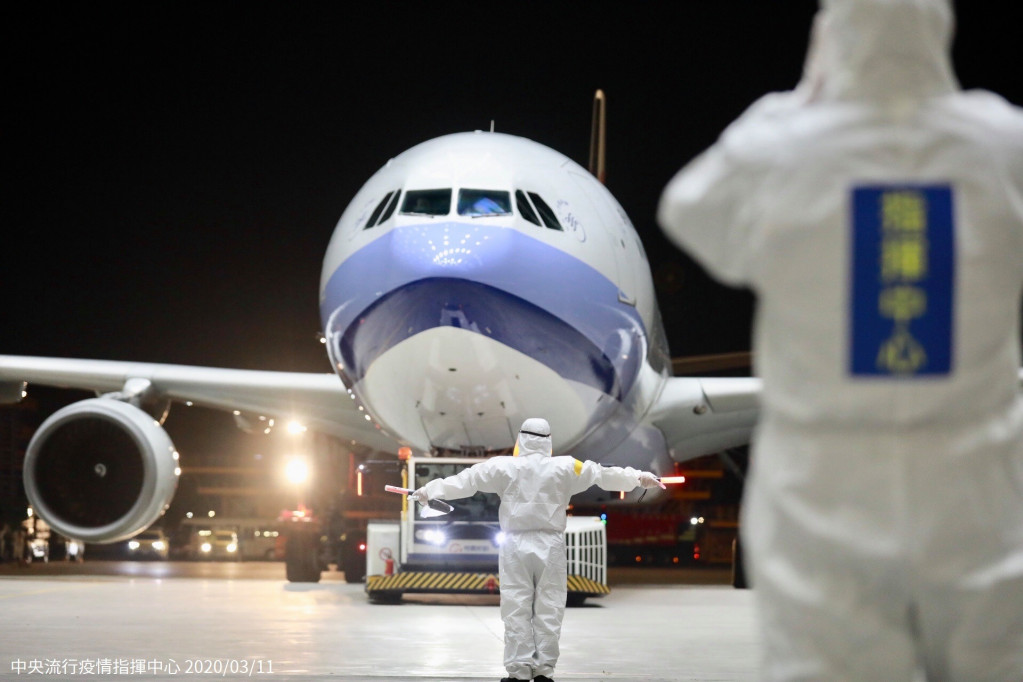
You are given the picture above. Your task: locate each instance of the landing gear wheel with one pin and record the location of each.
(353, 560)
(302, 557)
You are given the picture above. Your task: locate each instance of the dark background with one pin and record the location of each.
(174, 170)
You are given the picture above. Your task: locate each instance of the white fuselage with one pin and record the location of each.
(478, 279)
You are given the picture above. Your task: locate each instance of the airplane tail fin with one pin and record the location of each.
(597, 137)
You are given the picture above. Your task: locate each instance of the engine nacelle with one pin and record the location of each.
(100, 470)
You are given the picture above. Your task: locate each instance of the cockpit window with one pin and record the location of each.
(427, 202)
(483, 202)
(389, 201)
(522, 203)
(390, 207)
(549, 219)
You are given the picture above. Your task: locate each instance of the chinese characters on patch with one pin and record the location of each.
(902, 274)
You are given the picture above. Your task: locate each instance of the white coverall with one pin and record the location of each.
(534, 488)
(877, 213)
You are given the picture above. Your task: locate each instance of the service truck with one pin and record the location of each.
(457, 552)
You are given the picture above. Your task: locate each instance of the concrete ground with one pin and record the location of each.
(155, 620)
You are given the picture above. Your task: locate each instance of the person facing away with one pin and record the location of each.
(876, 211)
(535, 489)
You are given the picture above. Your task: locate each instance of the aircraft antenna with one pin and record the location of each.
(598, 166)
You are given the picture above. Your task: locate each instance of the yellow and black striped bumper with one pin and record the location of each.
(580, 585)
(449, 583)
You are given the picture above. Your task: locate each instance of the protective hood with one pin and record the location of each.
(535, 437)
(880, 50)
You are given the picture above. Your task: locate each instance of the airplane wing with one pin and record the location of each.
(320, 401)
(701, 416)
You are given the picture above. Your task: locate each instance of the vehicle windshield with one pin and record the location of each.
(483, 202)
(479, 507)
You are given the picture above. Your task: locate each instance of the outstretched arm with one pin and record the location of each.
(480, 477)
(612, 478)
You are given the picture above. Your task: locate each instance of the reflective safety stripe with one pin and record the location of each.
(439, 582)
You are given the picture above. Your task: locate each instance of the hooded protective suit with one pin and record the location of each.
(535, 489)
(877, 213)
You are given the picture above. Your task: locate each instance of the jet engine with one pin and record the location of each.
(100, 470)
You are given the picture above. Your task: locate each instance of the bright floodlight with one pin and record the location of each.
(297, 470)
(295, 428)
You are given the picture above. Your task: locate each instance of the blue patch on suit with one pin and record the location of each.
(903, 275)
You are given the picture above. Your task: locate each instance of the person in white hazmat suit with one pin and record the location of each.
(876, 211)
(534, 488)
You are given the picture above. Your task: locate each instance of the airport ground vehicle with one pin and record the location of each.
(219, 543)
(458, 552)
(149, 544)
(257, 538)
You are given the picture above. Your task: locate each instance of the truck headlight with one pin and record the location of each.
(206, 547)
(159, 545)
(432, 536)
(232, 548)
(133, 545)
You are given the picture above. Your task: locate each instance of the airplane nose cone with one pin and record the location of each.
(451, 249)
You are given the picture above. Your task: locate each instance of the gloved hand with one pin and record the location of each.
(420, 496)
(648, 480)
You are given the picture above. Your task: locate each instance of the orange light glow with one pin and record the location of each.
(667, 480)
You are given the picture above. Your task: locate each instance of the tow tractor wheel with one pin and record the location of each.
(385, 597)
(575, 599)
(738, 568)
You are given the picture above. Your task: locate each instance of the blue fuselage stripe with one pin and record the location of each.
(495, 281)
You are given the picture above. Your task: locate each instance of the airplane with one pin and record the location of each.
(475, 280)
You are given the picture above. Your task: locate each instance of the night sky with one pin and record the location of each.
(175, 170)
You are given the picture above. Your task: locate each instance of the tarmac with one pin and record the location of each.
(122, 620)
